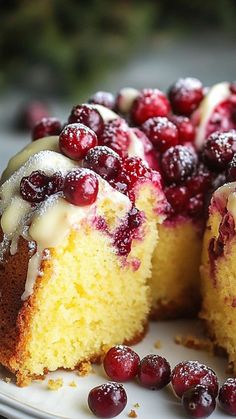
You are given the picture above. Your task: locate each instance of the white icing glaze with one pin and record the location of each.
(47, 143)
(106, 114)
(217, 93)
(126, 98)
(49, 222)
(136, 147)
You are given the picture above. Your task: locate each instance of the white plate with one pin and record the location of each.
(37, 401)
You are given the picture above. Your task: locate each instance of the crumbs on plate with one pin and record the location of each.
(55, 384)
(85, 368)
(132, 414)
(72, 383)
(157, 344)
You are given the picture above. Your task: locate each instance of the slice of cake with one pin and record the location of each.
(218, 271)
(75, 254)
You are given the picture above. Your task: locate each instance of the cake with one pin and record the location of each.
(102, 222)
(75, 256)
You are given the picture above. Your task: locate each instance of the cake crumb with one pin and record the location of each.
(7, 380)
(137, 405)
(72, 384)
(157, 344)
(193, 342)
(85, 368)
(132, 414)
(55, 384)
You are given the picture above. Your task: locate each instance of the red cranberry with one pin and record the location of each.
(46, 127)
(81, 187)
(178, 197)
(103, 98)
(200, 181)
(178, 163)
(135, 169)
(149, 103)
(219, 149)
(87, 115)
(231, 175)
(149, 152)
(125, 233)
(116, 136)
(76, 140)
(103, 161)
(55, 183)
(154, 372)
(107, 400)
(199, 402)
(185, 95)
(185, 128)
(188, 374)
(227, 396)
(161, 132)
(31, 113)
(121, 363)
(33, 188)
(222, 118)
(196, 205)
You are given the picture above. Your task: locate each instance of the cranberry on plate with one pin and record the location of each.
(199, 402)
(107, 400)
(154, 372)
(121, 363)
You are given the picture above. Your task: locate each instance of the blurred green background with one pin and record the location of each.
(67, 48)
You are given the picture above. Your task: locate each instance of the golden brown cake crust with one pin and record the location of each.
(186, 307)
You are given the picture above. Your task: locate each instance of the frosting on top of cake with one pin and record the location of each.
(216, 94)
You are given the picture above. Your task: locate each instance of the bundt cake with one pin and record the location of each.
(75, 254)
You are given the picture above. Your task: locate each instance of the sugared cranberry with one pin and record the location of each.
(161, 132)
(116, 136)
(104, 161)
(219, 149)
(55, 183)
(81, 187)
(76, 140)
(188, 374)
(33, 188)
(154, 372)
(178, 163)
(195, 205)
(199, 402)
(185, 95)
(103, 98)
(178, 197)
(87, 115)
(121, 363)
(135, 169)
(200, 181)
(46, 127)
(227, 396)
(107, 400)
(149, 103)
(231, 174)
(185, 128)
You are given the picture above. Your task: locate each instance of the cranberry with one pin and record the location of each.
(188, 374)
(46, 127)
(107, 400)
(76, 140)
(200, 181)
(196, 205)
(227, 396)
(222, 118)
(149, 103)
(154, 372)
(87, 115)
(231, 175)
(31, 113)
(161, 132)
(149, 153)
(178, 197)
(33, 188)
(55, 183)
(185, 95)
(185, 128)
(103, 98)
(81, 187)
(103, 161)
(178, 163)
(199, 402)
(125, 233)
(219, 149)
(116, 136)
(135, 169)
(121, 363)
